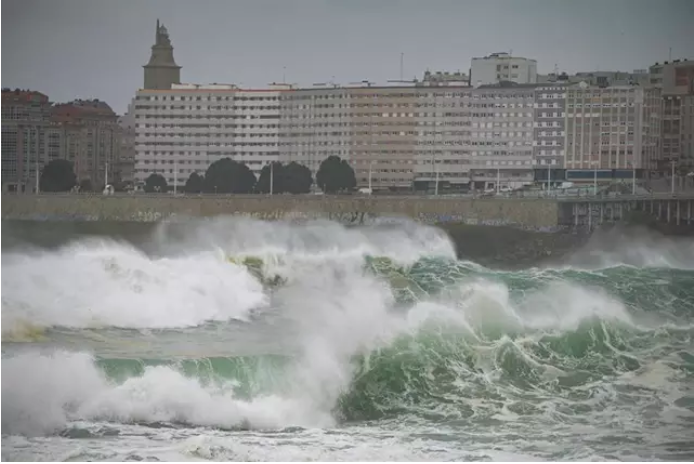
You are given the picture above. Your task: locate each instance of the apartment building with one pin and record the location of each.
(500, 67)
(313, 124)
(676, 79)
(612, 128)
(393, 136)
(89, 136)
(501, 135)
(549, 125)
(188, 127)
(28, 142)
(126, 162)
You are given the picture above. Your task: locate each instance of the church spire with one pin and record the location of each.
(162, 70)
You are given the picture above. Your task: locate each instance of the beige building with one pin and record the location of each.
(612, 128)
(676, 78)
(90, 138)
(126, 162)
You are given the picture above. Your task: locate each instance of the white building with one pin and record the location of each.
(499, 67)
(188, 127)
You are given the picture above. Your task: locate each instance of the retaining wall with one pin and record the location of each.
(539, 214)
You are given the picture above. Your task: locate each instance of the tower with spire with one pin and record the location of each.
(162, 70)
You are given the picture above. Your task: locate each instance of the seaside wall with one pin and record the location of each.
(539, 214)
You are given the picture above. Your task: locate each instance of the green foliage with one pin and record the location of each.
(57, 176)
(194, 184)
(229, 176)
(297, 178)
(156, 183)
(292, 178)
(336, 175)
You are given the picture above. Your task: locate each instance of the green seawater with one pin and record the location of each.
(240, 340)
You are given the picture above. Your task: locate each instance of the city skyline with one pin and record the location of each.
(625, 35)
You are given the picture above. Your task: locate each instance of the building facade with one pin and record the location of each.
(501, 135)
(28, 141)
(188, 127)
(549, 126)
(126, 162)
(612, 128)
(90, 138)
(676, 79)
(500, 67)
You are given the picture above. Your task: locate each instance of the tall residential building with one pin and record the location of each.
(161, 71)
(28, 142)
(549, 123)
(126, 162)
(188, 127)
(612, 128)
(676, 78)
(501, 135)
(500, 67)
(372, 127)
(90, 138)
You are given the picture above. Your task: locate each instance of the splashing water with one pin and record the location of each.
(377, 343)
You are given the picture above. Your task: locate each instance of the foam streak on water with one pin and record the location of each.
(321, 342)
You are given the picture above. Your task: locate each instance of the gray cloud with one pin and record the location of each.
(96, 48)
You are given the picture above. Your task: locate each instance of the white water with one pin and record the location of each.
(188, 281)
(337, 310)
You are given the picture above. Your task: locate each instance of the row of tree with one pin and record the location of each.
(226, 176)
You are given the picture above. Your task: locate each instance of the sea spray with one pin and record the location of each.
(563, 362)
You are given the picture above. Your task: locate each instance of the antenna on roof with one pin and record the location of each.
(402, 58)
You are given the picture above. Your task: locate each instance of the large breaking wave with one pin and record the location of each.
(378, 323)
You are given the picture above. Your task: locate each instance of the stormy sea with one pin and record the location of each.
(234, 339)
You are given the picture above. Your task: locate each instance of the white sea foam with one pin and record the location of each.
(337, 310)
(99, 284)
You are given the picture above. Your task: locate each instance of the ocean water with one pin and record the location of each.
(233, 339)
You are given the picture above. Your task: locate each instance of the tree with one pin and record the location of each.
(297, 178)
(277, 174)
(156, 183)
(335, 175)
(194, 184)
(86, 185)
(229, 176)
(57, 176)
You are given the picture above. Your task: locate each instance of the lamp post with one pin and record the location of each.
(37, 173)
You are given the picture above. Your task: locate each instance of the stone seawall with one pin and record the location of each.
(537, 214)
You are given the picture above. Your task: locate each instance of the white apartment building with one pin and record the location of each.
(550, 115)
(499, 67)
(188, 127)
(501, 135)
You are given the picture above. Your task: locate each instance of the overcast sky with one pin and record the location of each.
(96, 48)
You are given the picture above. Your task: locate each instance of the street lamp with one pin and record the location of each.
(595, 165)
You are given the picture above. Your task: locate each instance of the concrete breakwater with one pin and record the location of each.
(535, 214)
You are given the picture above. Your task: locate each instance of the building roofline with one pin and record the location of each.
(318, 89)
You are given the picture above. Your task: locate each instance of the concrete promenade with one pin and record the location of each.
(526, 212)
